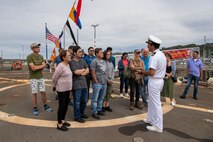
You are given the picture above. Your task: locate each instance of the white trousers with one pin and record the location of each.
(155, 114)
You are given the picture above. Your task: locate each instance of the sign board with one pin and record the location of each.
(178, 54)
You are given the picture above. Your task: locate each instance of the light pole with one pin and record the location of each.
(94, 26)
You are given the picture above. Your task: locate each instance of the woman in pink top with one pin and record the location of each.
(62, 79)
(122, 64)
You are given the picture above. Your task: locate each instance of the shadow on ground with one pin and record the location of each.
(130, 130)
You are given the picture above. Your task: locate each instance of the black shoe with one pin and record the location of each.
(101, 113)
(195, 98)
(182, 97)
(108, 109)
(84, 116)
(66, 124)
(103, 109)
(81, 120)
(62, 128)
(95, 116)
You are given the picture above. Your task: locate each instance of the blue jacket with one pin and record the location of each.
(89, 59)
(121, 67)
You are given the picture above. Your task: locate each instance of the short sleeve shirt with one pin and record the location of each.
(36, 60)
(79, 81)
(158, 63)
(100, 68)
(195, 66)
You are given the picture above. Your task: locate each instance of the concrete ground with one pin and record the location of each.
(189, 121)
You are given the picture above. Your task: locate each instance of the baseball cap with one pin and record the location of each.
(35, 45)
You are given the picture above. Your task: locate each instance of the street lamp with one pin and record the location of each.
(94, 26)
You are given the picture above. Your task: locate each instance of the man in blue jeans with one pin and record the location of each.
(80, 93)
(99, 76)
(145, 58)
(195, 71)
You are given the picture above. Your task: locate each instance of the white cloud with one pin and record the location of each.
(124, 24)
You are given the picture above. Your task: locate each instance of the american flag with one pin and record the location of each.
(50, 36)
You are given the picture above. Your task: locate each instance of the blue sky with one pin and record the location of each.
(124, 24)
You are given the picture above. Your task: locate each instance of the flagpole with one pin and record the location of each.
(77, 37)
(46, 40)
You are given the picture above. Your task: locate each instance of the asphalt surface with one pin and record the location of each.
(181, 124)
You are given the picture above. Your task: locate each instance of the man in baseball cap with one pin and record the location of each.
(33, 45)
(36, 65)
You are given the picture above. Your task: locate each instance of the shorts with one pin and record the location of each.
(37, 85)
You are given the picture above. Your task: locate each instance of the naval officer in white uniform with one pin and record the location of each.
(156, 73)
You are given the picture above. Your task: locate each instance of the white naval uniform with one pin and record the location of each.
(155, 86)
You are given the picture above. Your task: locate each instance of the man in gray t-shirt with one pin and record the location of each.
(79, 81)
(80, 93)
(99, 76)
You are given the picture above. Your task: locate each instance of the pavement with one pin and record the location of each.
(190, 121)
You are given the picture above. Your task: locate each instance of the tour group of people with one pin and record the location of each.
(147, 75)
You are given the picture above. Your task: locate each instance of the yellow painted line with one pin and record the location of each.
(12, 86)
(194, 108)
(89, 124)
(21, 80)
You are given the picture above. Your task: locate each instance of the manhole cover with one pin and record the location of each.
(137, 139)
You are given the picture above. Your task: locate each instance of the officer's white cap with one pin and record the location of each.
(154, 39)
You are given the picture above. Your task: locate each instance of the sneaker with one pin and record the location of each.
(95, 116)
(127, 95)
(154, 129)
(172, 103)
(35, 111)
(84, 116)
(112, 96)
(47, 108)
(195, 98)
(81, 120)
(62, 128)
(101, 113)
(108, 109)
(131, 107)
(103, 109)
(145, 121)
(182, 97)
(121, 95)
(66, 124)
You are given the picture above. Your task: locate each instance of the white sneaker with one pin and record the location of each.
(121, 95)
(145, 120)
(127, 95)
(172, 103)
(154, 129)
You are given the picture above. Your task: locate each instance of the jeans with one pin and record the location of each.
(134, 90)
(124, 81)
(190, 79)
(99, 91)
(63, 100)
(80, 101)
(144, 90)
(88, 79)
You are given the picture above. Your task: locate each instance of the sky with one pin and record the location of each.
(124, 25)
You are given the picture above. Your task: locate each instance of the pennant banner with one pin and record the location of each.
(52, 58)
(71, 32)
(74, 15)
